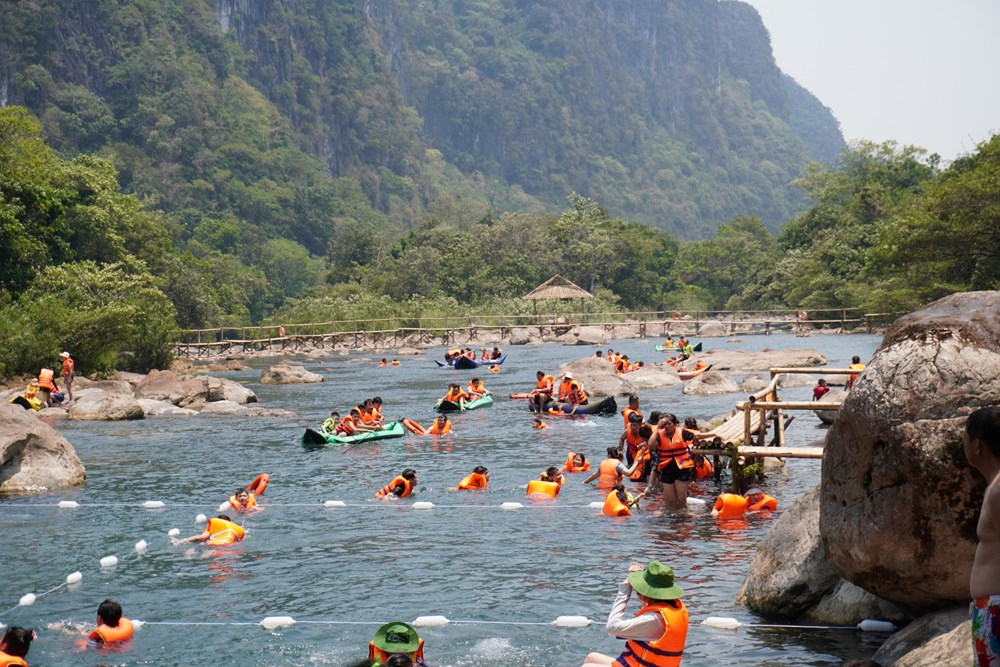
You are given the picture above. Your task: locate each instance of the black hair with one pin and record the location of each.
(240, 490)
(377, 400)
(399, 660)
(17, 641)
(110, 613)
(669, 416)
(619, 490)
(855, 359)
(632, 398)
(645, 431)
(984, 424)
(334, 413)
(634, 418)
(224, 517)
(409, 474)
(613, 452)
(654, 417)
(691, 422)
(552, 473)
(480, 470)
(583, 458)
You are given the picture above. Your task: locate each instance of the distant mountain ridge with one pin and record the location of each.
(670, 113)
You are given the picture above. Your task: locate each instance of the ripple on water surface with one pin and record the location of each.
(375, 561)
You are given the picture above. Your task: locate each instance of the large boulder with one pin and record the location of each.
(105, 406)
(710, 383)
(34, 457)
(591, 336)
(832, 396)
(160, 386)
(198, 391)
(288, 374)
(597, 377)
(524, 336)
(160, 408)
(712, 329)
(739, 360)
(654, 376)
(942, 638)
(899, 502)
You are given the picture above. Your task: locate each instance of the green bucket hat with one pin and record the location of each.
(396, 637)
(656, 582)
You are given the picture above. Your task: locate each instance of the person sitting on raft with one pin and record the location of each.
(477, 480)
(658, 633)
(219, 531)
(496, 353)
(371, 413)
(542, 393)
(112, 627)
(576, 462)
(455, 395)
(477, 389)
(15, 644)
(612, 470)
(571, 392)
(734, 506)
(401, 485)
(396, 640)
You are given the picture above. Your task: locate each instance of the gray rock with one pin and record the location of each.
(222, 408)
(199, 390)
(713, 329)
(597, 377)
(753, 383)
(798, 380)
(738, 360)
(849, 605)
(234, 391)
(789, 574)
(287, 374)
(710, 383)
(34, 457)
(160, 386)
(923, 634)
(591, 336)
(899, 500)
(159, 408)
(524, 336)
(653, 376)
(106, 407)
(832, 396)
(124, 376)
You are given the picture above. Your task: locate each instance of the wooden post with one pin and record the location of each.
(732, 326)
(746, 426)
(843, 318)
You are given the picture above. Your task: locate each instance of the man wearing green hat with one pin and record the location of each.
(397, 638)
(656, 635)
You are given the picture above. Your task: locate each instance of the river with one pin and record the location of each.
(510, 573)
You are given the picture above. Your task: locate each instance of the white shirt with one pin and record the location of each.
(648, 627)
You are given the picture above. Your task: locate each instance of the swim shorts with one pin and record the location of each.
(985, 613)
(670, 473)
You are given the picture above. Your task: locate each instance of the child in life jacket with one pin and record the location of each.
(112, 627)
(15, 644)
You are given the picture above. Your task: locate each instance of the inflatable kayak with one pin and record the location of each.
(674, 348)
(464, 363)
(319, 437)
(27, 403)
(449, 406)
(687, 375)
(605, 408)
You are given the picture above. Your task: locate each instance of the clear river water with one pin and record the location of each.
(341, 572)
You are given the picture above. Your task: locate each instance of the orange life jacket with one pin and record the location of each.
(576, 393)
(45, 379)
(346, 426)
(106, 634)
(612, 358)
(375, 653)
(704, 470)
(68, 366)
(436, 430)
(730, 506)
(7, 660)
(224, 532)
(570, 467)
(251, 503)
(628, 411)
(544, 386)
(368, 416)
(766, 503)
(454, 395)
(665, 651)
(382, 363)
(633, 441)
(613, 506)
(477, 388)
(473, 481)
(539, 425)
(394, 362)
(608, 474)
(550, 489)
(675, 448)
(642, 456)
(565, 387)
(387, 490)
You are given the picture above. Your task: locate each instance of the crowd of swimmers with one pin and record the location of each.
(485, 356)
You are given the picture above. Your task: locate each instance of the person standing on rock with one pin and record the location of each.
(856, 365)
(981, 439)
(68, 373)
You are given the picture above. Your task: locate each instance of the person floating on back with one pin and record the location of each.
(112, 627)
(14, 645)
(735, 506)
(981, 440)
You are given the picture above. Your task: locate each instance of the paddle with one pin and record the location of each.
(867, 625)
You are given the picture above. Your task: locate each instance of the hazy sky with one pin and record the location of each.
(921, 72)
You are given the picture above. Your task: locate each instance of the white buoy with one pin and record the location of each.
(201, 518)
(511, 506)
(335, 503)
(224, 507)
(140, 546)
(137, 624)
(571, 622)
(68, 504)
(274, 622)
(153, 504)
(871, 625)
(430, 621)
(696, 501)
(173, 532)
(109, 561)
(74, 578)
(423, 505)
(722, 623)
(596, 505)
(27, 600)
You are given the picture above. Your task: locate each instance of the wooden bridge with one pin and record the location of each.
(485, 329)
